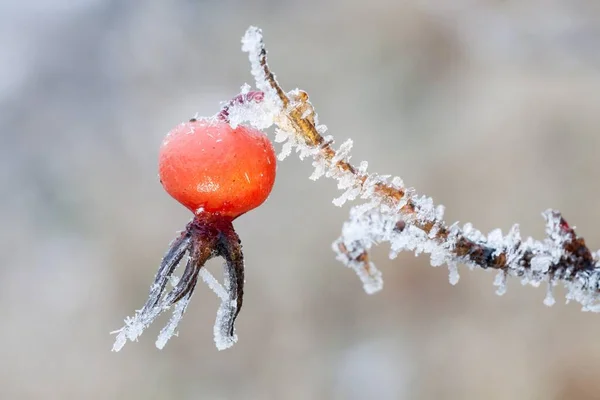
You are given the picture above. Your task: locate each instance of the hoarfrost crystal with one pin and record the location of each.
(453, 276)
(223, 335)
(549, 299)
(500, 282)
(213, 284)
(169, 331)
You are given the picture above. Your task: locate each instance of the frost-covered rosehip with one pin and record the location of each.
(210, 167)
(219, 173)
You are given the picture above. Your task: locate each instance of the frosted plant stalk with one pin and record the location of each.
(395, 214)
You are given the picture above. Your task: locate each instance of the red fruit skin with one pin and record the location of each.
(208, 166)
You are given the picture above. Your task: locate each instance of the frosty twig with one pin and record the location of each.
(392, 213)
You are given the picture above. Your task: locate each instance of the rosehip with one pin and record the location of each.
(219, 173)
(208, 166)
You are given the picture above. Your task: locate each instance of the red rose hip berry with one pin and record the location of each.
(219, 173)
(207, 165)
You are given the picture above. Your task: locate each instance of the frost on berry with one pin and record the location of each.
(249, 107)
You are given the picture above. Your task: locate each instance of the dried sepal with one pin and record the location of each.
(204, 238)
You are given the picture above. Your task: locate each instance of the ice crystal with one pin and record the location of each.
(213, 284)
(549, 299)
(500, 282)
(223, 335)
(259, 115)
(453, 276)
(252, 43)
(169, 331)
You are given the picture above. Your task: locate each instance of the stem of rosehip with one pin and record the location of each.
(253, 95)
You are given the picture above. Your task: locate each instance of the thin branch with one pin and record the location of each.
(395, 214)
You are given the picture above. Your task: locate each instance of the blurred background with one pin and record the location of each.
(491, 107)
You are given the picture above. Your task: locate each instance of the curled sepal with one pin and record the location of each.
(135, 326)
(229, 247)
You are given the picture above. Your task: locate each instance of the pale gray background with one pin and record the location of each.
(491, 107)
